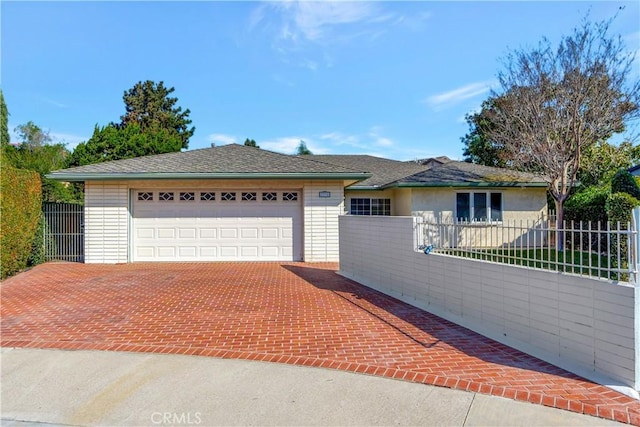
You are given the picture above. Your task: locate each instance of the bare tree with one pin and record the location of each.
(555, 103)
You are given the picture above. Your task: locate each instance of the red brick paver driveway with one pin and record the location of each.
(295, 313)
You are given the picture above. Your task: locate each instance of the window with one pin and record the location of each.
(291, 196)
(165, 196)
(207, 196)
(381, 207)
(270, 197)
(187, 196)
(249, 197)
(479, 207)
(145, 196)
(228, 196)
(363, 206)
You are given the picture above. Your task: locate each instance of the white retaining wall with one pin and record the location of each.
(586, 326)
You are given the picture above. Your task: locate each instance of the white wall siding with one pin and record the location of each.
(584, 325)
(106, 222)
(321, 220)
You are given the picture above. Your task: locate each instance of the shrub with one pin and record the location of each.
(623, 182)
(20, 207)
(587, 205)
(619, 209)
(620, 206)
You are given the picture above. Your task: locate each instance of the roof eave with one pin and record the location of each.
(77, 177)
(466, 184)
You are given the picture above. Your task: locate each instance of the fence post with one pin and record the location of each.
(636, 250)
(636, 294)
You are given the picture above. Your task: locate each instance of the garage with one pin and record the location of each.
(216, 225)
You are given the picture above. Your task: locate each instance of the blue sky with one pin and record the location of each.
(392, 79)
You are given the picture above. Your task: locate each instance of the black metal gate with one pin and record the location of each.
(63, 231)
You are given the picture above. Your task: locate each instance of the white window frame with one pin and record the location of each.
(472, 207)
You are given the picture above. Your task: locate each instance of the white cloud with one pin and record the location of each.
(459, 94)
(378, 140)
(221, 139)
(55, 103)
(339, 138)
(317, 21)
(302, 32)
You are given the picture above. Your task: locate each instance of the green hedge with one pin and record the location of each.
(587, 205)
(20, 210)
(619, 209)
(623, 182)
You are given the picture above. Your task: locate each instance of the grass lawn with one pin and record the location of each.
(567, 261)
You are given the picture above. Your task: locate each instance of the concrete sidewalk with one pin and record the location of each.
(131, 389)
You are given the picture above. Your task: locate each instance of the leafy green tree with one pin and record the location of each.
(557, 102)
(152, 124)
(602, 160)
(114, 142)
(623, 182)
(251, 143)
(32, 136)
(302, 149)
(479, 148)
(149, 105)
(38, 153)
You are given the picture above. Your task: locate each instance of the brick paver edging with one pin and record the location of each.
(418, 344)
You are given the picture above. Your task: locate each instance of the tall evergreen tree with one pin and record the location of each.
(251, 143)
(149, 105)
(302, 149)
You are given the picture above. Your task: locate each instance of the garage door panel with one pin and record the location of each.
(145, 252)
(270, 252)
(208, 233)
(228, 233)
(166, 252)
(249, 233)
(145, 233)
(187, 233)
(228, 251)
(208, 252)
(187, 251)
(166, 233)
(269, 233)
(248, 251)
(209, 230)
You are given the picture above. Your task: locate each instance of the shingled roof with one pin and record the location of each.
(443, 172)
(239, 161)
(226, 161)
(455, 173)
(384, 171)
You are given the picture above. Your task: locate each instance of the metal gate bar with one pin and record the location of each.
(63, 232)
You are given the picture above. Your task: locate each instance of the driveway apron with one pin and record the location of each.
(295, 313)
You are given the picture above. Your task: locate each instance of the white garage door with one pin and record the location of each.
(214, 225)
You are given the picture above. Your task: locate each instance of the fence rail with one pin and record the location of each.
(592, 249)
(63, 232)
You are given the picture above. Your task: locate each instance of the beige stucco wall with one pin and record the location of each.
(108, 213)
(527, 204)
(400, 199)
